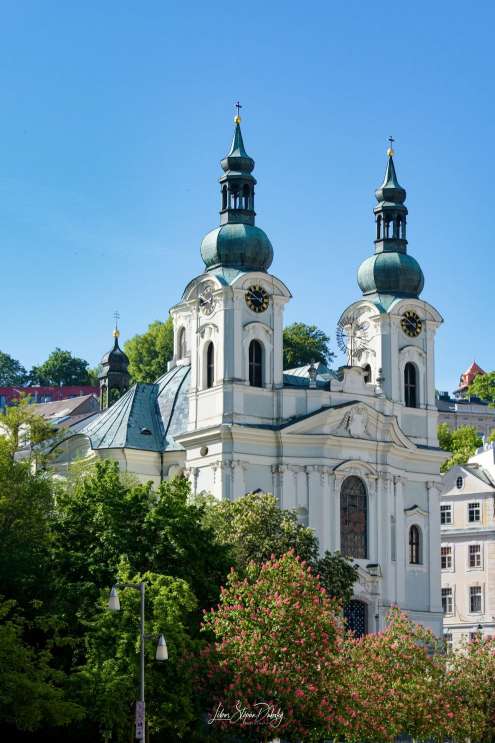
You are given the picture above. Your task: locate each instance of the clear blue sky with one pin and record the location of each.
(114, 116)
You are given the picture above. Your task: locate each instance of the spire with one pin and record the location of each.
(391, 271)
(114, 371)
(237, 183)
(237, 243)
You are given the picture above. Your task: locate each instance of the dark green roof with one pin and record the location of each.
(236, 245)
(397, 274)
(147, 417)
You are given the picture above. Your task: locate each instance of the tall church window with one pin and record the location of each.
(181, 344)
(415, 557)
(255, 364)
(410, 386)
(210, 365)
(353, 518)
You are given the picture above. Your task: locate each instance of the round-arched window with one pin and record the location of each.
(415, 556)
(181, 344)
(354, 518)
(410, 386)
(210, 365)
(255, 364)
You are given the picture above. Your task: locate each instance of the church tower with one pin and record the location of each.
(114, 375)
(229, 323)
(398, 355)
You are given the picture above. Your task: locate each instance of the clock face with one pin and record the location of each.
(411, 324)
(207, 300)
(257, 298)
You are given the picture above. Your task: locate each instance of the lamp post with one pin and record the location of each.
(160, 655)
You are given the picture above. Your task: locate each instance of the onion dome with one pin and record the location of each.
(391, 270)
(238, 243)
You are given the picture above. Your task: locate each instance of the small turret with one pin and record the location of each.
(114, 375)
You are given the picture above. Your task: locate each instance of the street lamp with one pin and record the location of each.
(160, 655)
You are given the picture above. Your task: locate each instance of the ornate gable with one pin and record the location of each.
(355, 421)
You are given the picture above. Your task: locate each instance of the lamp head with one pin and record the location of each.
(114, 601)
(161, 649)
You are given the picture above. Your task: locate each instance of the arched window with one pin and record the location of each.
(353, 518)
(245, 195)
(181, 344)
(235, 198)
(403, 229)
(415, 557)
(255, 364)
(367, 373)
(210, 365)
(410, 386)
(224, 197)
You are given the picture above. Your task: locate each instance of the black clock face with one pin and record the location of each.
(257, 298)
(207, 301)
(411, 324)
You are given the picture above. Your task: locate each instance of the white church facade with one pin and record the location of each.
(354, 452)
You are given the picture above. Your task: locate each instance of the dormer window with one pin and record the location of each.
(459, 483)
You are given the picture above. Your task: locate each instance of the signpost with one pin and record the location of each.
(140, 721)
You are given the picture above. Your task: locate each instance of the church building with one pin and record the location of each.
(354, 452)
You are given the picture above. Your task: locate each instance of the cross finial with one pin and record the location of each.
(116, 317)
(237, 118)
(390, 151)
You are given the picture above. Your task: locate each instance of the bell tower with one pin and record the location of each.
(399, 355)
(229, 322)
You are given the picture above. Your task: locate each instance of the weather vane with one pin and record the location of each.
(238, 116)
(390, 151)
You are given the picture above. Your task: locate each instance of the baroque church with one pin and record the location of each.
(354, 452)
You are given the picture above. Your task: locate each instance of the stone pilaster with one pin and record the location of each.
(434, 545)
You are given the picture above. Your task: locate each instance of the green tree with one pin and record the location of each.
(102, 517)
(304, 344)
(108, 680)
(149, 353)
(21, 427)
(254, 528)
(461, 442)
(483, 386)
(12, 373)
(32, 692)
(61, 368)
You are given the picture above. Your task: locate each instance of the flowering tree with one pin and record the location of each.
(472, 687)
(398, 684)
(275, 667)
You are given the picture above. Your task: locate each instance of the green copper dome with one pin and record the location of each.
(391, 273)
(237, 245)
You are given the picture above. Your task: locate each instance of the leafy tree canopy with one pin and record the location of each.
(20, 427)
(149, 353)
(461, 442)
(12, 372)
(254, 528)
(304, 344)
(277, 634)
(61, 368)
(483, 386)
